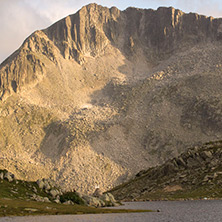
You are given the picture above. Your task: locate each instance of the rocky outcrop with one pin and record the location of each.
(197, 170)
(24, 67)
(102, 200)
(93, 28)
(45, 190)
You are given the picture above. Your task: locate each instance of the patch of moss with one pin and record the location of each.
(15, 200)
(23, 208)
(193, 193)
(72, 196)
(198, 171)
(20, 189)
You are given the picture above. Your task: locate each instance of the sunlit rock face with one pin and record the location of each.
(104, 93)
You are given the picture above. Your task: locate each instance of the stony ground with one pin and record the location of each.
(195, 174)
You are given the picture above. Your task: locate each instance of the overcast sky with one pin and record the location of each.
(20, 18)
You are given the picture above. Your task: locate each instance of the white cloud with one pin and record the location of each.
(19, 18)
(17, 21)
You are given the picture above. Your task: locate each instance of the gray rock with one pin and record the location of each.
(109, 199)
(34, 189)
(40, 199)
(43, 184)
(80, 194)
(37, 198)
(31, 209)
(54, 193)
(46, 199)
(57, 201)
(68, 202)
(1, 176)
(181, 162)
(97, 193)
(47, 186)
(206, 154)
(40, 184)
(105, 197)
(93, 201)
(9, 176)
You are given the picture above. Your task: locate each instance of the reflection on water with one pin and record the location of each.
(170, 211)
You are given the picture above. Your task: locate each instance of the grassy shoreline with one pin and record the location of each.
(12, 207)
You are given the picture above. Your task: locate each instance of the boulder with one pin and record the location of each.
(93, 201)
(54, 193)
(206, 154)
(109, 199)
(40, 184)
(68, 202)
(181, 162)
(57, 201)
(34, 189)
(43, 184)
(1, 176)
(9, 176)
(97, 193)
(47, 186)
(46, 199)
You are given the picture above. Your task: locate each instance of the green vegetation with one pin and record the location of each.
(197, 193)
(73, 196)
(21, 208)
(195, 174)
(19, 189)
(16, 199)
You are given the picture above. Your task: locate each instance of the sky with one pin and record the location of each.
(20, 18)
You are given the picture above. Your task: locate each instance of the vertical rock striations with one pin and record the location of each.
(89, 31)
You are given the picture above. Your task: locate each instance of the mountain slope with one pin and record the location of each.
(194, 174)
(102, 91)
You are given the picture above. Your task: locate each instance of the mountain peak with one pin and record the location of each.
(94, 27)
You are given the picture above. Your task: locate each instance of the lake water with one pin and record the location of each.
(170, 211)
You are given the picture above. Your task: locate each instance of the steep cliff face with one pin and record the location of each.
(164, 31)
(103, 90)
(155, 34)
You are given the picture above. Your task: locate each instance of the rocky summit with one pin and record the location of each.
(103, 93)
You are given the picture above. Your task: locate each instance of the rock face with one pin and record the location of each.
(103, 200)
(196, 173)
(99, 92)
(88, 32)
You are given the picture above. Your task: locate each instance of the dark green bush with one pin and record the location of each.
(73, 196)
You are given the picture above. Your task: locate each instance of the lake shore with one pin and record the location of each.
(173, 211)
